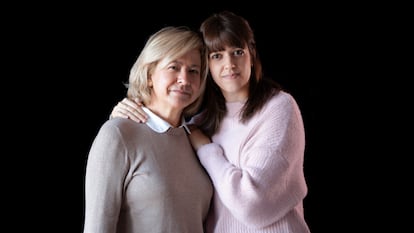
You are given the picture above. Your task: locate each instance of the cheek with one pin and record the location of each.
(214, 71)
(160, 86)
(197, 82)
(248, 71)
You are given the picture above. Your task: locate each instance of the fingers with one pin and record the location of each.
(119, 111)
(135, 107)
(129, 102)
(130, 110)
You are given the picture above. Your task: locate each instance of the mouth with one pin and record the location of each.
(230, 76)
(181, 92)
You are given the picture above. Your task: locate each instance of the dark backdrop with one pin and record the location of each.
(75, 59)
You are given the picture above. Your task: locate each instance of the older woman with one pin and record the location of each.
(146, 177)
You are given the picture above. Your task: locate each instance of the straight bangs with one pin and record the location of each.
(219, 39)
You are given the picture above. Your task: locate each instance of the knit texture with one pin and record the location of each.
(257, 170)
(138, 180)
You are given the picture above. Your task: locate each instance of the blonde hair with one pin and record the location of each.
(169, 43)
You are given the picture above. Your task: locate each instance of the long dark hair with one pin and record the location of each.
(228, 29)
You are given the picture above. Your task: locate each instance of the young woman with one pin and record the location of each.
(251, 137)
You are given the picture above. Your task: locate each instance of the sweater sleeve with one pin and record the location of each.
(268, 182)
(105, 173)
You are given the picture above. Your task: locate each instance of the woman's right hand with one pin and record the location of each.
(129, 109)
(197, 137)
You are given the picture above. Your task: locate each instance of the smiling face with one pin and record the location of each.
(231, 69)
(175, 85)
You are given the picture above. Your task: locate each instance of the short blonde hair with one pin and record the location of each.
(169, 43)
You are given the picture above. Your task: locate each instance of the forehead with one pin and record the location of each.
(190, 58)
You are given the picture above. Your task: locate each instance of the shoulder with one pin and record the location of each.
(117, 122)
(120, 131)
(281, 106)
(119, 126)
(282, 101)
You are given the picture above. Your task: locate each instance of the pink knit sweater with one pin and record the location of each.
(257, 170)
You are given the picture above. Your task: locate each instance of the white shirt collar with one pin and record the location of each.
(159, 125)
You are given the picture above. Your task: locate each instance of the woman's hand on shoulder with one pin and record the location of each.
(197, 137)
(129, 109)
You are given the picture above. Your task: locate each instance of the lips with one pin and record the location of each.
(181, 91)
(230, 76)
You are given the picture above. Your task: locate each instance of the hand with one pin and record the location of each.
(197, 137)
(129, 109)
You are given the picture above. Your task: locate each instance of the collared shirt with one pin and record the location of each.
(159, 125)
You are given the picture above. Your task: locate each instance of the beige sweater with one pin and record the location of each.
(138, 180)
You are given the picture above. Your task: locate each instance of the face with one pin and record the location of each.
(231, 69)
(177, 84)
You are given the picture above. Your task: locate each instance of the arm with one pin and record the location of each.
(106, 172)
(129, 109)
(260, 179)
(197, 137)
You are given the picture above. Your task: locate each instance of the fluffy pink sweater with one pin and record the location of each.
(257, 170)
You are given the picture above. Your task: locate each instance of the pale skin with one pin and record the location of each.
(230, 69)
(175, 86)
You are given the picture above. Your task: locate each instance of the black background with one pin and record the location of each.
(70, 64)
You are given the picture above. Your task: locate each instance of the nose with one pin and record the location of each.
(230, 66)
(183, 77)
(228, 63)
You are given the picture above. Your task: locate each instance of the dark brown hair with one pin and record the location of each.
(228, 29)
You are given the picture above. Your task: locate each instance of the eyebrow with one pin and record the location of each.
(181, 63)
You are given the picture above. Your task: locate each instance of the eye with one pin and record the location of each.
(238, 52)
(194, 71)
(215, 56)
(173, 67)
